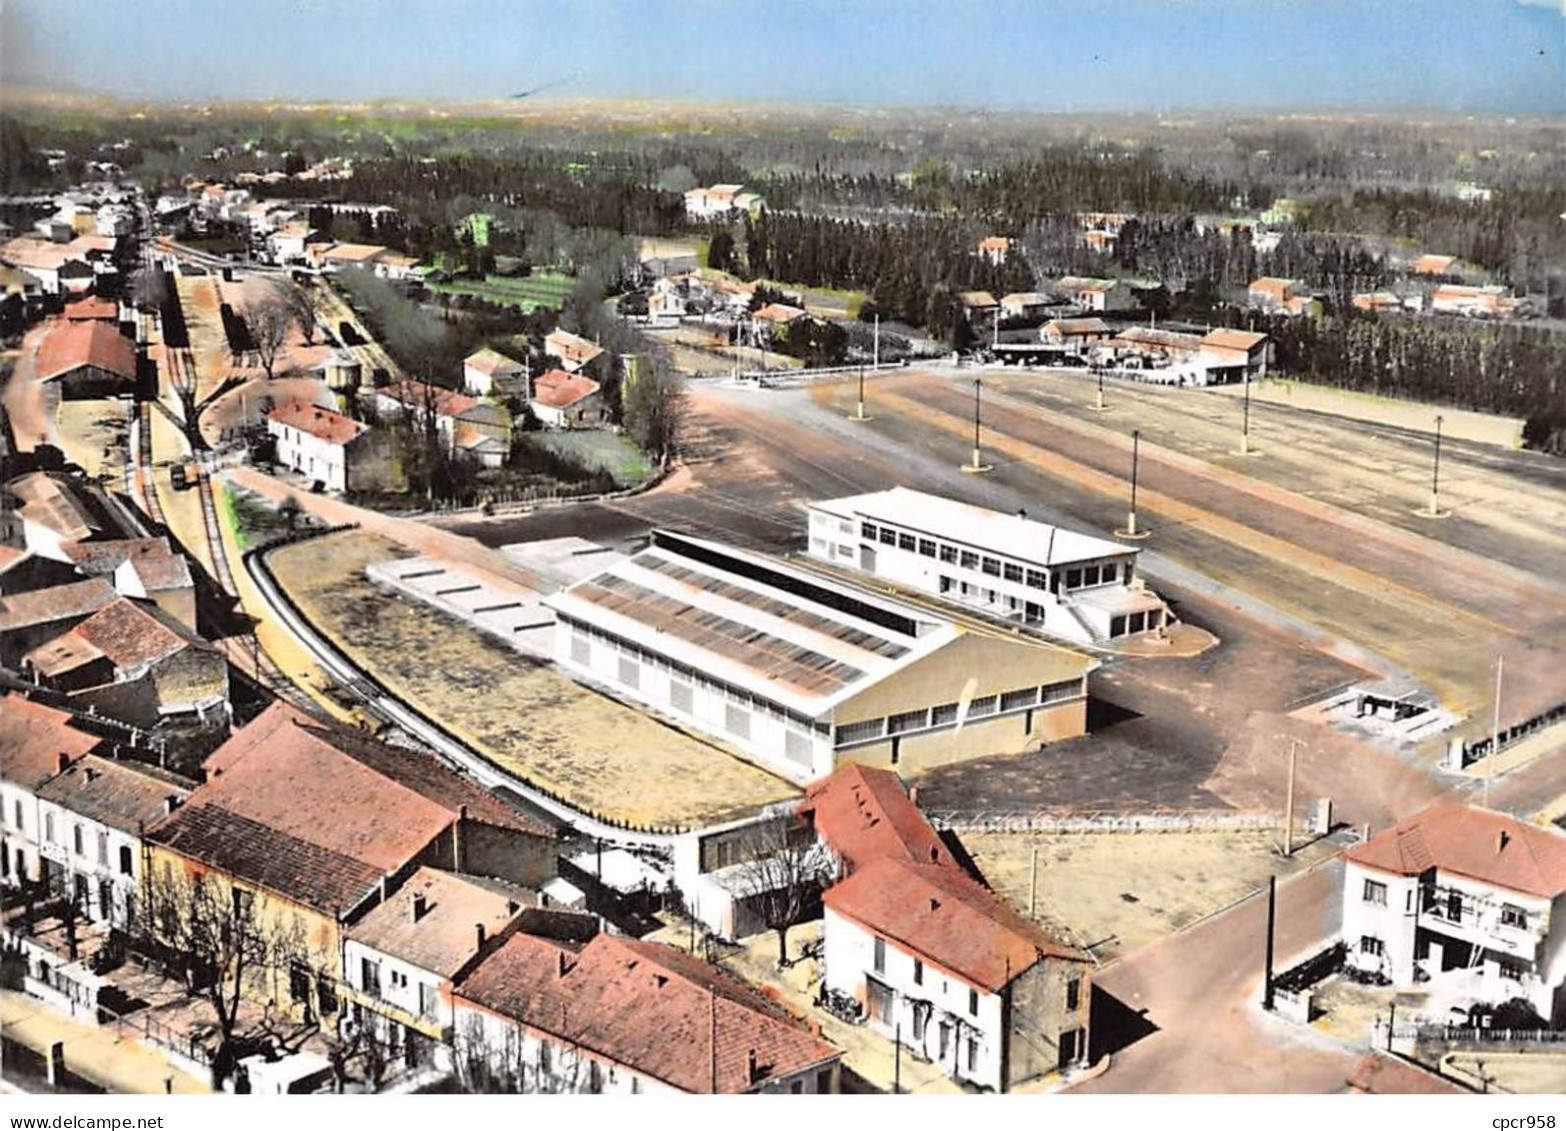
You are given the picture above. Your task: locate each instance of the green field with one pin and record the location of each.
(614, 453)
(541, 288)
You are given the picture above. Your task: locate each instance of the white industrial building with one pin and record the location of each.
(799, 671)
(1073, 586)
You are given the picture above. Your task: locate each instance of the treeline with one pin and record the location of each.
(912, 271)
(589, 192)
(1517, 234)
(1508, 368)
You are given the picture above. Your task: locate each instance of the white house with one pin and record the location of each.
(486, 370)
(1073, 586)
(566, 400)
(36, 743)
(327, 446)
(92, 814)
(1465, 900)
(720, 201)
(400, 958)
(933, 958)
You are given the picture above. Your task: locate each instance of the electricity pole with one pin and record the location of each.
(1272, 913)
(1435, 473)
(1288, 804)
(1495, 731)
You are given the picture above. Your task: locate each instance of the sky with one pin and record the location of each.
(1471, 56)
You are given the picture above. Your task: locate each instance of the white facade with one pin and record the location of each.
(793, 746)
(943, 1018)
(22, 830)
(1481, 940)
(99, 864)
(399, 987)
(1073, 586)
(310, 455)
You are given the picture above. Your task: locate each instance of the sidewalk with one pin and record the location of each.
(120, 1064)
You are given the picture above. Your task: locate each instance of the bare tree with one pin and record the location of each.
(782, 874)
(268, 321)
(304, 304)
(222, 938)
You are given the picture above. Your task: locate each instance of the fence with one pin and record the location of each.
(1102, 822)
(1510, 736)
(780, 378)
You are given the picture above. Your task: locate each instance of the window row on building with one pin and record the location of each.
(946, 714)
(683, 678)
(1074, 577)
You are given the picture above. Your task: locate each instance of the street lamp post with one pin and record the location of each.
(978, 465)
(1245, 417)
(1100, 406)
(1435, 472)
(1131, 530)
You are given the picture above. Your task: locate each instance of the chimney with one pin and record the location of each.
(62, 762)
(457, 846)
(913, 794)
(421, 906)
(565, 964)
(479, 930)
(1505, 840)
(1022, 512)
(171, 803)
(935, 904)
(935, 855)
(92, 774)
(751, 1062)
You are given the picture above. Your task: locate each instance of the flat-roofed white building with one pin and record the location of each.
(800, 672)
(1074, 586)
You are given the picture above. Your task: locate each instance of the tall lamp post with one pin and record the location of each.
(1099, 405)
(1435, 472)
(1245, 416)
(1131, 530)
(978, 466)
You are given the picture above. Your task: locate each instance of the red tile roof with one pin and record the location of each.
(123, 795)
(130, 635)
(569, 347)
(322, 423)
(653, 1009)
(491, 362)
(33, 739)
(559, 389)
(71, 345)
(950, 920)
(1481, 844)
(417, 395)
(57, 603)
(93, 308)
(442, 939)
(1234, 340)
(864, 814)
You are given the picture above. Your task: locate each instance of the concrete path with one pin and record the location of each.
(99, 1055)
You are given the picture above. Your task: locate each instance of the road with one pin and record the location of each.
(1198, 991)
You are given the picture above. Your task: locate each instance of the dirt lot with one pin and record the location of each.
(94, 434)
(1437, 612)
(602, 756)
(1523, 1074)
(1118, 892)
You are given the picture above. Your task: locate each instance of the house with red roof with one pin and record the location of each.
(1465, 900)
(474, 428)
(329, 448)
(932, 956)
(566, 400)
(89, 358)
(622, 1016)
(321, 824)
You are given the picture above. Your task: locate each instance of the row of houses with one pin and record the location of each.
(396, 900)
(718, 202)
(344, 454)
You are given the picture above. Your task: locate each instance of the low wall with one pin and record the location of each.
(1457, 423)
